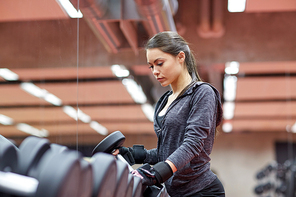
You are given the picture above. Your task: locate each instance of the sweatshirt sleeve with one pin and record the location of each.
(201, 120)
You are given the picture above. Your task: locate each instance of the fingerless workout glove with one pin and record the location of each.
(134, 155)
(155, 175)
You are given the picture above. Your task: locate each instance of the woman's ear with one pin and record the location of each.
(181, 57)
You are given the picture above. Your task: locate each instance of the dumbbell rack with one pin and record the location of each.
(277, 179)
(38, 168)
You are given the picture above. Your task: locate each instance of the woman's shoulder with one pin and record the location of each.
(210, 93)
(200, 86)
(205, 91)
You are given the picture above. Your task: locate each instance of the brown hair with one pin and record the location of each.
(172, 43)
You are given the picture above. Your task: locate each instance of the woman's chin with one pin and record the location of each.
(164, 84)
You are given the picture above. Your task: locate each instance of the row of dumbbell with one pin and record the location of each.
(40, 168)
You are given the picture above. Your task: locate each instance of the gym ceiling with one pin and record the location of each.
(71, 59)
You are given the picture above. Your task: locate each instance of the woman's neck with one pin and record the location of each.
(181, 83)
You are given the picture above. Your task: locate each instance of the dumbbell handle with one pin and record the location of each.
(120, 157)
(12, 183)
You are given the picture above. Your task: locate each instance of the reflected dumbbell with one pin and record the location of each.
(56, 176)
(43, 147)
(31, 151)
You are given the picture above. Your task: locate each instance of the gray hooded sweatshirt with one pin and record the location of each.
(185, 137)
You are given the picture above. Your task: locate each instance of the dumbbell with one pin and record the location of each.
(114, 141)
(8, 160)
(121, 179)
(32, 148)
(86, 180)
(110, 143)
(95, 174)
(61, 171)
(8, 155)
(130, 186)
(104, 175)
(86, 177)
(31, 151)
(56, 176)
(106, 147)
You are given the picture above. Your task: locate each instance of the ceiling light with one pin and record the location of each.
(135, 90)
(76, 114)
(70, 111)
(33, 89)
(53, 99)
(98, 128)
(83, 117)
(148, 111)
(70, 9)
(8, 74)
(5, 120)
(32, 130)
(120, 70)
(293, 128)
(41, 93)
(229, 88)
(228, 110)
(227, 127)
(232, 68)
(236, 5)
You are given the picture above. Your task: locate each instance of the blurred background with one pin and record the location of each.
(75, 71)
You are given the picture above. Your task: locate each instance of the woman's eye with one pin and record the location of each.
(158, 64)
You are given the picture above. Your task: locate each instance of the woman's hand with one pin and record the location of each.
(155, 175)
(115, 152)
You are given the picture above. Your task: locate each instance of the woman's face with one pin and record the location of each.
(165, 67)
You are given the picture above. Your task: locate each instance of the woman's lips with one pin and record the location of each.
(160, 79)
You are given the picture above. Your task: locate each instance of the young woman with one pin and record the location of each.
(185, 122)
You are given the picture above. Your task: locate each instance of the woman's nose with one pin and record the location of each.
(155, 72)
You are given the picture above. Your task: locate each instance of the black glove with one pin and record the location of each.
(155, 175)
(134, 155)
